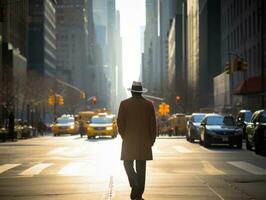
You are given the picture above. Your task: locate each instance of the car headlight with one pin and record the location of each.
(109, 128)
(72, 127)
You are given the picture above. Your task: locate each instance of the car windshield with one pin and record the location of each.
(197, 118)
(248, 116)
(101, 120)
(65, 120)
(215, 120)
(229, 121)
(263, 117)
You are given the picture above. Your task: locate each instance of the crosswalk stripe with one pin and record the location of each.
(182, 149)
(210, 169)
(74, 169)
(6, 167)
(248, 167)
(36, 169)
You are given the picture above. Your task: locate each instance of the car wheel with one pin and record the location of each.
(187, 136)
(200, 141)
(206, 142)
(248, 146)
(192, 140)
(239, 145)
(257, 147)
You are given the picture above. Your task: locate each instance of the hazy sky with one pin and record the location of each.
(132, 17)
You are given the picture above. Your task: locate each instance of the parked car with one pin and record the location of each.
(193, 126)
(242, 119)
(3, 134)
(216, 128)
(256, 132)
(102, 124)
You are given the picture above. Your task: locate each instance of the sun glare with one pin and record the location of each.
(132, 19)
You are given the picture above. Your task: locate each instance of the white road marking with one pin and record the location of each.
(248, 167)
(75, 169)
(36, 169)
(182, 149)
(156, 150)
(210, 169)
(58, 150)
(6, 167)
(205, 149)
(217, 194)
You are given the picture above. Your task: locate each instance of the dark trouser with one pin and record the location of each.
(136, 178)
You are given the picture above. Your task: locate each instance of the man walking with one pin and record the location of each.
(137, 127)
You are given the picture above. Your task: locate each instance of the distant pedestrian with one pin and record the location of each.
(11, 126)
(137, 127)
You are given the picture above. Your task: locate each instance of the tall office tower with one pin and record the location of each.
(42, 36)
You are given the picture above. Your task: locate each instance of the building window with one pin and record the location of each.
(246, 29)
(254, 23)
(241, 33)
(241, 6)
(258, 19)
(249, 26)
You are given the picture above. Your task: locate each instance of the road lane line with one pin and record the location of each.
(210, 169)
(205, 149)
(218, 195)
(109, 194)
(74, 169)
(248, 167)
(156, 150)
(6, 167)
(36, 169)
(58, 150)
(182, 149)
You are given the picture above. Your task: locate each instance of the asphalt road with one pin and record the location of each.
(70, 167)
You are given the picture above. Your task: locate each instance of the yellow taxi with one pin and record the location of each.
(179, 123)
(102, 124)
(64, 125)
(83, 119)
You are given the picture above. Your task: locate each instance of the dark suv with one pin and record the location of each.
(256, 132)
(242, 119)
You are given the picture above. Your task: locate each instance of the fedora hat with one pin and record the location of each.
(137, 87)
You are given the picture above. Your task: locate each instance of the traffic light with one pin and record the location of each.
(227, 68)
(60, 100)
(82, 95)
(51, 100)
(177, 99)
(164, 109)
(94, 100)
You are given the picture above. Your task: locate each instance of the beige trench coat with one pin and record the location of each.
(137, 126)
